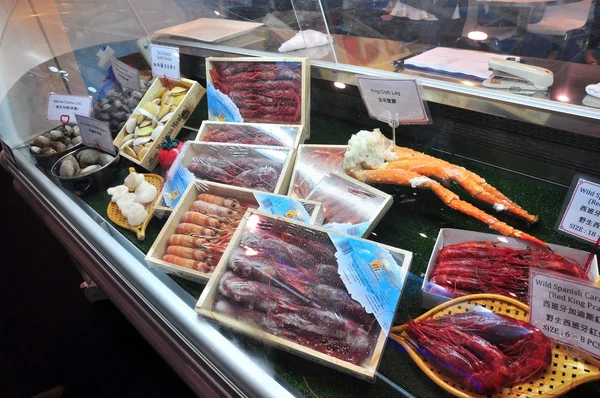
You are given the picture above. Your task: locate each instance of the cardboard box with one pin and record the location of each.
(353, 207)
(234, 115)
(282, 156)
(449, 236)
(173, 125)
(312, 163)
(288, 134)
(253, 220)
(159, 247)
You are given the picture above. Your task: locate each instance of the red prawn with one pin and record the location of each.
(482, 350)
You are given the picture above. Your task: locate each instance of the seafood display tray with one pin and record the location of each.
(291, 135)
(366, 370)
(283, 156)
(357, 199)
(158, 249)
(312, 163)
(565, 372)
(304, 64)
(172, 126)
(450, 236)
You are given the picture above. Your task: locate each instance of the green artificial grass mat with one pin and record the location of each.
(412, 223)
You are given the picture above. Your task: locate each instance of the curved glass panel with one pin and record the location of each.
(65, 48)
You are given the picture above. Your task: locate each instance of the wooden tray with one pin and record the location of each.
(173, 126)
(365, 371)
(115, 215)
(564, 373)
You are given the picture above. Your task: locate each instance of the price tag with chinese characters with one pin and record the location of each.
(165, 62)
(580, 216)
(126, 75)
(393, 100)
(566, 309)
(96, 134)
(70, 105)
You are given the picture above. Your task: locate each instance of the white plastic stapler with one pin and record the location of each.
(509, 74)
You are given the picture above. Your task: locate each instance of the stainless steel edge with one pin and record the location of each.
(574, 118)
(210, 348)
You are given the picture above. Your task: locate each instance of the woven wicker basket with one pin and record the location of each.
(115, 215)
(564, 373)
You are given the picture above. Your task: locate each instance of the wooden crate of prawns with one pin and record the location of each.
(261, 90)
(283, 135)
(267, 287)
(208, 249)
(160, 112)
(241, 165)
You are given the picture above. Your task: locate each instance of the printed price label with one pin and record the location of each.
(282, 206)
(70, 105)
(349, 229)
(127, 76)
(371, 275)
(393, 100)
(96, 134)
(581, 212)
(178, 179)
(566, 309)
(165, 61)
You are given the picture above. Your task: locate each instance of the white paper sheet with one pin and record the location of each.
(454, 61)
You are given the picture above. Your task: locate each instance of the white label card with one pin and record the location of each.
(581, 215)
(566, 309)
(127, 76)
(393, 100)
(165, 62)
(96, 134)
(67, 105)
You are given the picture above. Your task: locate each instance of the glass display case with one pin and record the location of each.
(485, 144)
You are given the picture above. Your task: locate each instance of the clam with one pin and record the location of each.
(165, 97)
(55, 135)
(105, 159)
(138, 117)
(179, 99)
(41, 141)
(166, 118)
(179, 90)
(145, 131)
(129, 152)
(90, 169)
(141, 140)
(157, 131)
(159, 93)
(130, 125)
(143, 152)
(164, 109)
(151, 108)
(126, 144)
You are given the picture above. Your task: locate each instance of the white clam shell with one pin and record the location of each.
(130, 125)
(141, 140)
(167, 117)
(157, 131)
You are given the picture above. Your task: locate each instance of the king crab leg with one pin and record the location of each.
(471, 182)
(452, 200)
